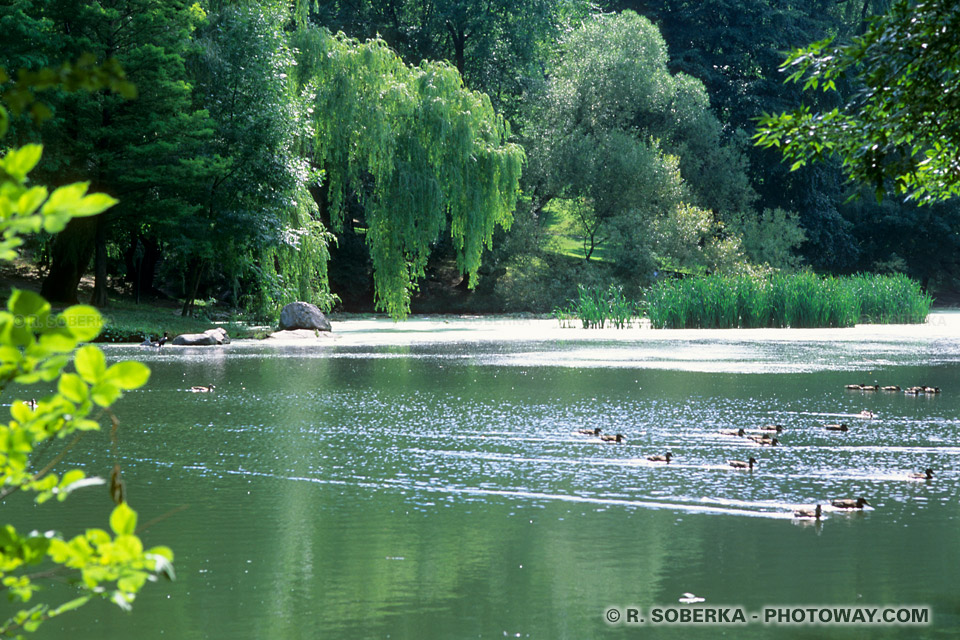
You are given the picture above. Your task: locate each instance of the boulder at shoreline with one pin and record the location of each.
(303, 315)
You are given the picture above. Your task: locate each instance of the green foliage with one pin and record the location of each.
(901, 129)
(778, 300)
(629, 143)
(595, 306)
(771, 238)
(418, 150)
(36, 346)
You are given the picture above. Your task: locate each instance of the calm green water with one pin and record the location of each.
(437, 491)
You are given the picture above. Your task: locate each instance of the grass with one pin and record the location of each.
(560, 224)
(795, 300)
(129, 322)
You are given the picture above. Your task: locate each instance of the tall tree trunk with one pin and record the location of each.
(99, 298)
(69, 259)
(459, 39)
(193, 289)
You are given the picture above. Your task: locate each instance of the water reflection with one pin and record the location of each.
(440, 490)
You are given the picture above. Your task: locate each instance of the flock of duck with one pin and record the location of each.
(762, 437)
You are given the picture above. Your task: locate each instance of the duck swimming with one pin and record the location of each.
(617, 439)
(731, 432)
(808, 513)
(199, 389)
(836, 427)
(772, 427)
(892, 387)
(765, 440)
(664, 458)
(849, 503)
(590, 432)
(740, 464)
(868, 415)
(926, 475)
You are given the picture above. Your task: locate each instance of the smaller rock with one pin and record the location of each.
(220, 334)
(194, 340)
(303, 315)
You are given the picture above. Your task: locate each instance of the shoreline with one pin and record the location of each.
(446, 329)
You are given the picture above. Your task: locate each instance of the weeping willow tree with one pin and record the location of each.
(418, 151)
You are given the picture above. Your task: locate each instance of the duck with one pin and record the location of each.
(853, 387)
(926, 475)
(867, 415)
(590, 432)
(617, 439)
(772, 427)
(808, 513)
(931, 389)
(914, 391)
(869, 387)
(31, 404)
(162, 340)
(849, 503)
(731, 432)
(740, 464)
(836, 427)
(891, 387)
(200, 389)
(147, 341)
(765, 440)
(664, 458)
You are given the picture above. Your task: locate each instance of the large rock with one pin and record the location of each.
(303, 315)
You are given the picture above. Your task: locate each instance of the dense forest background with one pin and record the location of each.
(445, 155)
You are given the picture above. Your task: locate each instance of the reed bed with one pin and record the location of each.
(597, 307)
(796, 300)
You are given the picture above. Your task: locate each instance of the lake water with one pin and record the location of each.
(424, 481)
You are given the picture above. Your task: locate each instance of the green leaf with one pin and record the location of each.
(105, 393)
(83, 321)
(31, 200)
(73, 388)
(90, 363)
(71, 605)
(26, 303)
(123, 520)
(19, 162)
(128, 374)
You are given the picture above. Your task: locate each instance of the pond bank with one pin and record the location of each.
(443, 329)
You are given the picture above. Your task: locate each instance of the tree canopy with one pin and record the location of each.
(901, 128)
(420, 152)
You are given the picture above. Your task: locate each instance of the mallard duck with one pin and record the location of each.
(849, 503)
(617, 439)
(808, 513)
(836, 427)
(914, 391)
(772, 427)
(867, 415)
(162, 340)
(664, 458)
(740, 464)
(926, 475)
(853, 387)
(869, 387)
(892, 387)
(590, 432)
(765, 440)
(732, 432)
(931, 389)
(199, 389)
(31, 404)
